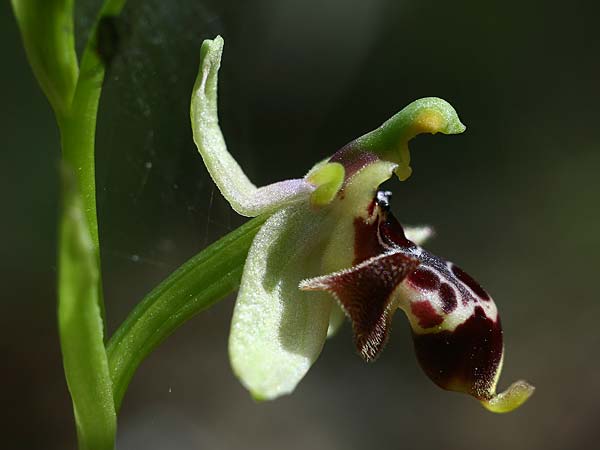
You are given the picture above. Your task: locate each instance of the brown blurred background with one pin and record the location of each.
(515, 200)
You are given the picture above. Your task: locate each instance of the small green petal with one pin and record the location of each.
(278, 331)
(244, 197)
(329, 178)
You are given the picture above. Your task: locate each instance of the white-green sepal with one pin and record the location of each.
(245, 198)
(278, 331)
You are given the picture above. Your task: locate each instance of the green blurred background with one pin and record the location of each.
(515, 200)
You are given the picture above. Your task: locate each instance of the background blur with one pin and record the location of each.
(514, 200)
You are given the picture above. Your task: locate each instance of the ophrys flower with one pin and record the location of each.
(331, 248)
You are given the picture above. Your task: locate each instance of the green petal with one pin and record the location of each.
(329, 178)
(278, 331)
(245, 198)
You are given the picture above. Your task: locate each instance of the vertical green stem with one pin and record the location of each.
(74, 93)
(81, 327)
(98, 375)
(78, 134)
(47, 31)
(78, 124)
(78, 139)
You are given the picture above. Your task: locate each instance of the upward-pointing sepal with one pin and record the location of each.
(243, 196)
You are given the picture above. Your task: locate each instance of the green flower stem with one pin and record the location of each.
(98, 376)
(78, 124)
(78, 134)
(80, 325)
(205, 279)
(78, 129)
(47, 30)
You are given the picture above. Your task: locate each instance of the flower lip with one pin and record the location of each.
(465, 359)
(456, 329)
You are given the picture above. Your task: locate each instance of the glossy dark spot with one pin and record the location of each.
(470, 282)
(424, 279)
(448, 297)
(466, 359)
(427, 316)
(383, 199)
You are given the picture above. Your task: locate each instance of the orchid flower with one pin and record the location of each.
(331, 248)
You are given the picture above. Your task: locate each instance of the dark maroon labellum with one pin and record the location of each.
(424, 279)
(448, 296)
(392, 232)
(470, 282)
(427, 316)
(465, 359)
(366, 243)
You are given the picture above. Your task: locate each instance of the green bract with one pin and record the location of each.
(330, 246)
